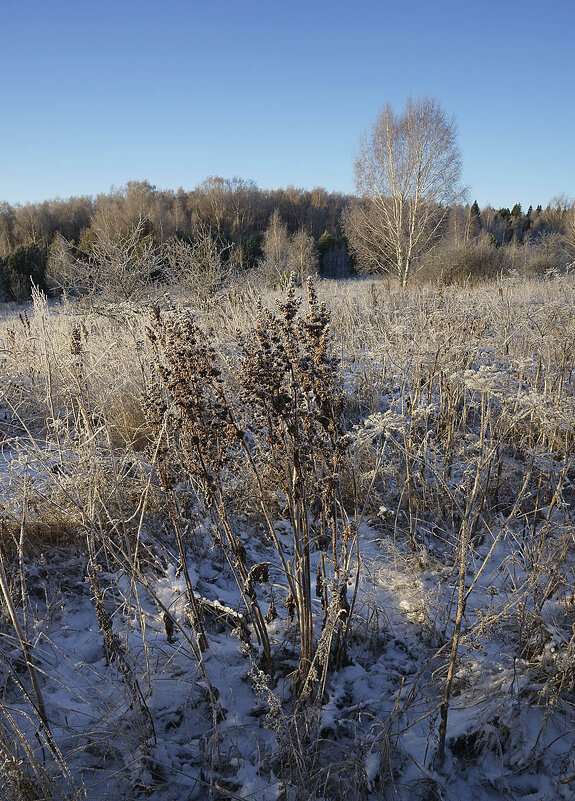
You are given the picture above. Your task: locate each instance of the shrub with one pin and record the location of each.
(548, 255)
(469, 262)
(119, 268)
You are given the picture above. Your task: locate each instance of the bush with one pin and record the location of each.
(470, 262)
(120, 267)
(548, 255)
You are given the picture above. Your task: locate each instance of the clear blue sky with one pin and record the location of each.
(96, 93)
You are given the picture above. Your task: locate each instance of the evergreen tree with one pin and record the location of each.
(473, 222)
(24, 266)
(334, 258)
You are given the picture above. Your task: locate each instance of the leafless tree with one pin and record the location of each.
(303, 256)
(407, 175)
(120, 268)
(276, 249)
(199, 267)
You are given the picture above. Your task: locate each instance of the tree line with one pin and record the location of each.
(408, 219)
(237, 217)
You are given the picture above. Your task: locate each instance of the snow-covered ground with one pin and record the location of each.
(135, 709)
(145, 724)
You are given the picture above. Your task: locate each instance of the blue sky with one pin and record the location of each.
(98, 93)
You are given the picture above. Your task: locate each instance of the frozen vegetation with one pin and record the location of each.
(290, 551)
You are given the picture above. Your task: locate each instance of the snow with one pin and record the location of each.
(505, 739)
(167, 722)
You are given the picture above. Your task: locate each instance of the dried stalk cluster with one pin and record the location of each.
(283, 426)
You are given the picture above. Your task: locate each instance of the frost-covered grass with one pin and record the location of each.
(148, 643)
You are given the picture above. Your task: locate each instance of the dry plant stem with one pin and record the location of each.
(231, 550)
(18, 780)
(467, 526)
(127, 565)
(267, 516)
(44, 785)
(290, 393)
(135, 586)
(205, 431)
(197, 619)
(511, 516)
(39, 705)
(230, 545)
(461, 601)
(115, 651)
(303, 584)
(25, 647)
(175, 517)
(40, 304)
(347, 569)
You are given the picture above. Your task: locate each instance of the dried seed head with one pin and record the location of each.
(289, 604)
(169, 626)
(343, 604)
(271, 614)
(259, 573)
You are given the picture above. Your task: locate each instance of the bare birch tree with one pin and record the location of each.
(303, 256)
(407, 174)
(276, 250)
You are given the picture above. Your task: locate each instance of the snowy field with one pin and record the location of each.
(296, 554)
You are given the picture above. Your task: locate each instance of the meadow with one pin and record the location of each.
(314, 547)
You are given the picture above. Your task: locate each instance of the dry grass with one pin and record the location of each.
(457, 407)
